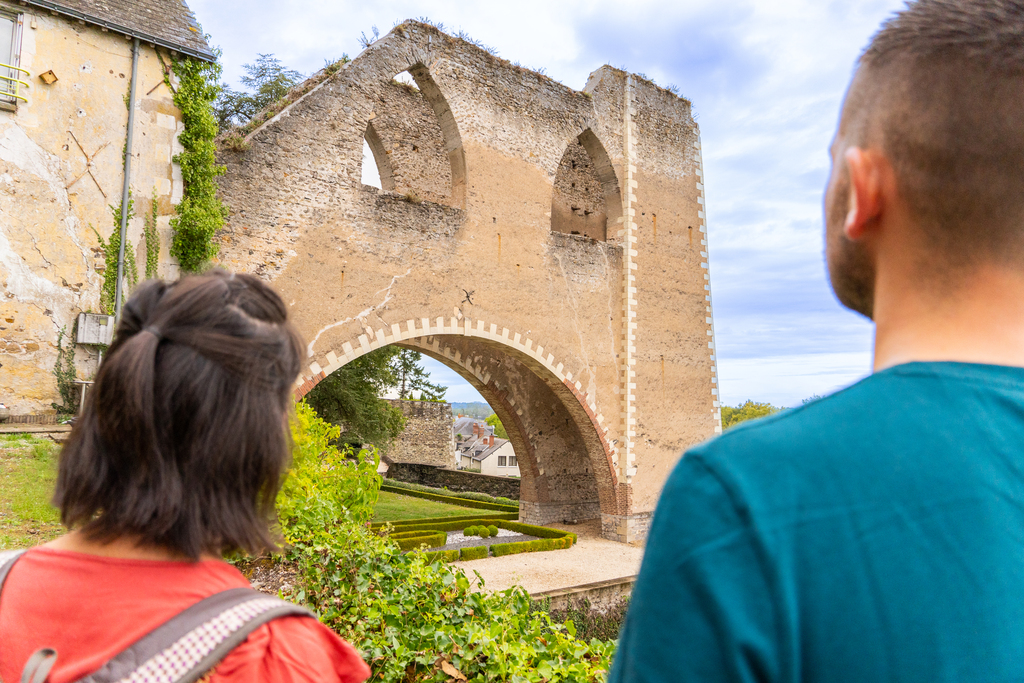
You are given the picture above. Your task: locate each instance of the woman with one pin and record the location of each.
(176, 459)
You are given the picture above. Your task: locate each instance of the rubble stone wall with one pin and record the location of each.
(427, 438)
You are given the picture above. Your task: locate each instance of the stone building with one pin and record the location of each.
(62, 134)
(590, 332)
(478, 449)
(427, 438)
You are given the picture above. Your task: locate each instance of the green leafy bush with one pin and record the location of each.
(325, 484)
(408, 613)
(476, 552)
(412, 615)
(493, 529)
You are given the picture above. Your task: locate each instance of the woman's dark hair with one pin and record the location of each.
(184, 438)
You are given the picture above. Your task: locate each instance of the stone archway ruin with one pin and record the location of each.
(567, 460)
(598, 349)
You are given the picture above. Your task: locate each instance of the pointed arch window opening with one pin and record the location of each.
(414, 142)
(586, 199)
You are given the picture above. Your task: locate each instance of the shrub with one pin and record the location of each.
(324, 484)
(441, 556)
(493, 529)
(412, 540)
(501, 549)
(410, 614)
(460, 521)
(477, 552)
(451, 500)
(470, 495)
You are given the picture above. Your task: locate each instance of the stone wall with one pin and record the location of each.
(427, 438)
(578, 206)
(60, 169)
(595, 350)
(455, 480)
(602, 595)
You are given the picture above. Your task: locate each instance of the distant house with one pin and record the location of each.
(476, 448)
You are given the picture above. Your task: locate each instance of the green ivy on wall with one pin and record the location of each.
(152, 238)
(200, 213)
(111, 247)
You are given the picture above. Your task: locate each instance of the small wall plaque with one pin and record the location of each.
(95, 329)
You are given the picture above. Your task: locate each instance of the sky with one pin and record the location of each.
(766, 80)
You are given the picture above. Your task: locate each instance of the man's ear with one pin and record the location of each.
(866, 168)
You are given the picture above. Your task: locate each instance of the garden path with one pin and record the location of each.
(591, 559)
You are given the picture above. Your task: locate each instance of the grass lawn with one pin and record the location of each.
(394, 507)
(28, 469)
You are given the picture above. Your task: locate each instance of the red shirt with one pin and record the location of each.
(90, 608)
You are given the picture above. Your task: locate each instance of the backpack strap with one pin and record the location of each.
(186, 647)
(7, 560)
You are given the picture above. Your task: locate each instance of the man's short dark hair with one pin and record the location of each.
(941, 89)
(184, 439)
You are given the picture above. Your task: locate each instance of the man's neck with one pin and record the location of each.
(976, 319)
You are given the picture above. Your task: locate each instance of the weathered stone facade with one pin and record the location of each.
(595, 350)
(61, 166)
(427, 438)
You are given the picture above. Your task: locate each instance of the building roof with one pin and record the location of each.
(478, 450)
(464, 425)
(168, 23)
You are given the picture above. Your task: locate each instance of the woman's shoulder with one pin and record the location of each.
(292, 649)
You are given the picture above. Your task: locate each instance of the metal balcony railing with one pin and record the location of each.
(10, 86)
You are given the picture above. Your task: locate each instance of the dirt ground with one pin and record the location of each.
(591, 559)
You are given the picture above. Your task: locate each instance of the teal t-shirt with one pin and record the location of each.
(874, 535)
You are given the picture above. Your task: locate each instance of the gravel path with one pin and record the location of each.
(592, 559)
(456, 539)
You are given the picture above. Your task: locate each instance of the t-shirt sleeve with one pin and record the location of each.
(292, 650)
(701, 609)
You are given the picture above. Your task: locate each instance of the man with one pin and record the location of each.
(878, 534)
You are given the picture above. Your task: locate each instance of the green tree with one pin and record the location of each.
(499, 429)
(266, 81)
(411, 377)
(750, 410)
(351, 396)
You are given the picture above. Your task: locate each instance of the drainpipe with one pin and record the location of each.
(127, 175)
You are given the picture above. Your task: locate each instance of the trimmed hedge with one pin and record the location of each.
(411, 540)
(471, 495)
(447, 525)
(501, 549)
(425, 531)
(539, 531)
(441, 555)
(451, 500)
(482, 517)
(477, 552)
